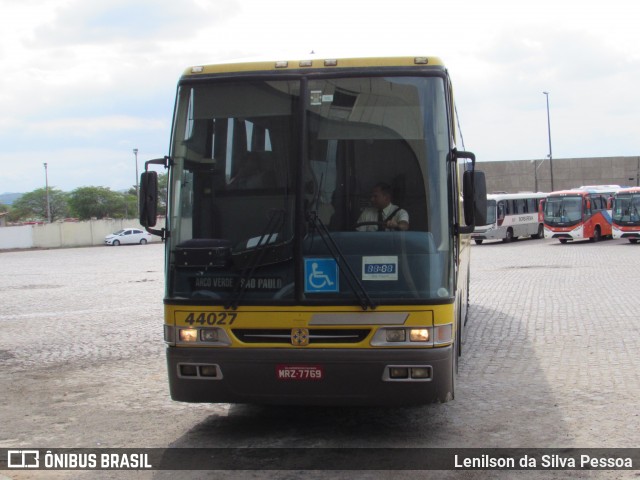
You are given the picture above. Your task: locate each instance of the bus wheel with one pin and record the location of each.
(563, 240)
(596, 235)
(633, 240)
(509, 237)
(540, 233)
(478, 241)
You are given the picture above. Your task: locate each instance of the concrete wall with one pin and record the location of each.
(16, 237)
(66, 234)
(520, 175)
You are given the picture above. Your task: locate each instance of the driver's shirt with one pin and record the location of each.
(370, 214)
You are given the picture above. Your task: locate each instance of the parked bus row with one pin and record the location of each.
(591, 212)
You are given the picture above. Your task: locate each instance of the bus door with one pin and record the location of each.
(501, 212)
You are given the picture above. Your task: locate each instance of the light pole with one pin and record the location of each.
(46, 183)
(536, 166)
(546, 94)
(135, 152)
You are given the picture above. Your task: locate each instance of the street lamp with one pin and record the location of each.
(536, 166)
(135, 152)
(46, 183)
(549, 131)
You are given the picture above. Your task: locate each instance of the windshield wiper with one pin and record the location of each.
(275, 223)
(352, 279)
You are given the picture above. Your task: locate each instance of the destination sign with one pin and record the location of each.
(229, 283)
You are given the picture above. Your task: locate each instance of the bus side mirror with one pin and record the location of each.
(148, 198)
(474, 195)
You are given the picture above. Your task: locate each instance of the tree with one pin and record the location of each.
(97, 202)
(163, 180)
(33, 205)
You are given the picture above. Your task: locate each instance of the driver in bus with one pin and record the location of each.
(249, 175)
(383, 214)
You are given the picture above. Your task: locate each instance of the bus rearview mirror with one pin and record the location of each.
(148, 198)
(474, 193)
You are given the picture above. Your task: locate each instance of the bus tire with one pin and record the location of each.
(509, 238)
(633, 240)
(540, 233)
(597, 236)
(563, 240)
(478, 241)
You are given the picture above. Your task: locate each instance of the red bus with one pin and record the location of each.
(626, 214)
(579, 213)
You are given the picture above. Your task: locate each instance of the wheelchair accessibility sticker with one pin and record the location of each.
(320, 275)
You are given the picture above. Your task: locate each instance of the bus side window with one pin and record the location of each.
(522, 205)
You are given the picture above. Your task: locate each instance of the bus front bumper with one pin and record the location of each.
(311, 376)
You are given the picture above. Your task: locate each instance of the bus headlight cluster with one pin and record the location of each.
(204, 336)
(413, 336)
(188, 335)
(419, 335)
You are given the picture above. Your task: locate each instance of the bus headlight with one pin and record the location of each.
(207, 336)
(396, 334)
(419, 335)
(413, 336)
(403, 337)
(188, 335)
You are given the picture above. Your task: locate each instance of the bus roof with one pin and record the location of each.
(599, 188)
(627, 190)
(581, 191)
(515, 196)
(311, 63)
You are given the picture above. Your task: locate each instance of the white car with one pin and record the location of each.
(128, 236)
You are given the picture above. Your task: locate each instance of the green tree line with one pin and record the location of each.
(83, 203)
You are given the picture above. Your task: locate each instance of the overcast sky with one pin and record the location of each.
(83, 82)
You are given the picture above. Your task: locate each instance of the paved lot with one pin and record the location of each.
(551, 360)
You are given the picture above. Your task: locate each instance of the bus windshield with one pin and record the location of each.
(563, 211)
(626, 209)
(270, 177)
(491, 212)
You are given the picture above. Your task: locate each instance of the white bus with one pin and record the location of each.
(511, 215)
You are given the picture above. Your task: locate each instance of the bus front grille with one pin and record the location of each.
(283, 335)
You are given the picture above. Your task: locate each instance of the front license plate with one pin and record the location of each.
(299, 372)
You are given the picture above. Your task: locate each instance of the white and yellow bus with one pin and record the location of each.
(272, 295)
